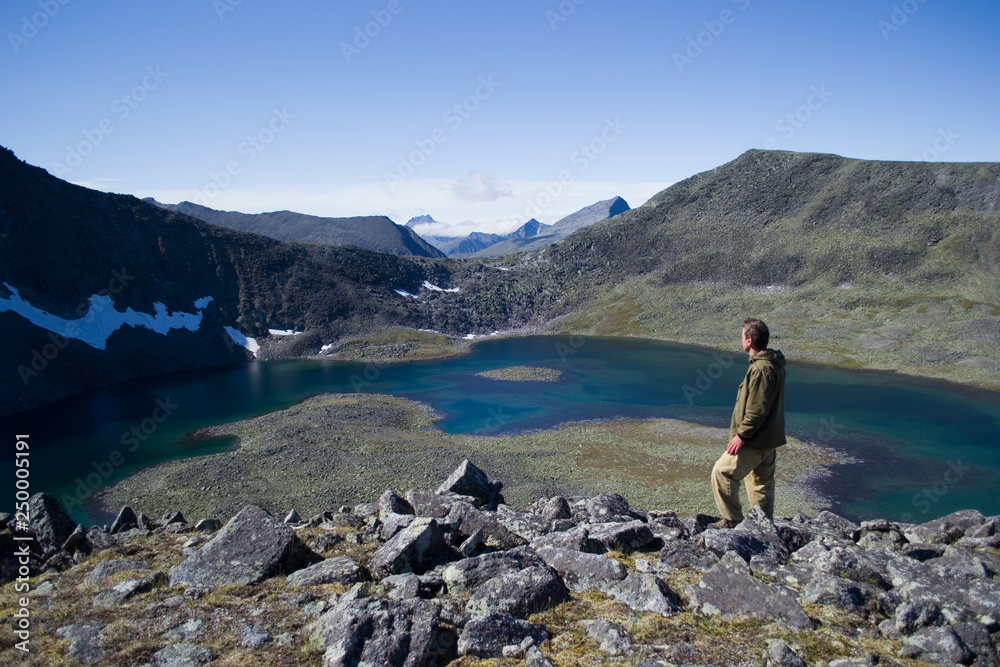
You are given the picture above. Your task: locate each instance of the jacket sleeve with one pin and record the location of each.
(762, 388)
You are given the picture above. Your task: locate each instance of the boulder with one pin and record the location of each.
(609, 507)
(947, 529)
(413, 549)
(696, 523)
(519, 594)
(644, 593)
(468, 480)
(49, 522)
(125, 589)
(339, 570)
(487, 636)
(392, 523)
(182, 655)
(434, 505)
(525, 525)
(85, 641)
(939, 645)
(626, 536)
(389, 633)
(469, 574)
(729, 589)
(839, 592)
(747, 545)
(468, 521)
(126, 520)
(687, 555)
(208, 525)
(112, 566)
(574, 539)
(251, 547)
(781, 655)
(613, 638)
(391, 503)
(582, 570)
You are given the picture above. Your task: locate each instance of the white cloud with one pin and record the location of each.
(478, 187)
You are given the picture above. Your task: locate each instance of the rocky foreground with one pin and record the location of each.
(456, 576)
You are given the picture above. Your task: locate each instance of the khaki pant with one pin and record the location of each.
(728, 474)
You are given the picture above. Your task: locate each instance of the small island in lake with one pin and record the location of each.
(523, 374)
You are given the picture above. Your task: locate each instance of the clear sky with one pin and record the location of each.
(490, 111)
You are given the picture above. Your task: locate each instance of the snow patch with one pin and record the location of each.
(403, 292)
(326, 348)
(102, 319)
(283, 332)
(244, 341)
(434, 288)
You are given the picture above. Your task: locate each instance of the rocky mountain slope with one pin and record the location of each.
(554, 233)
(456, 576)
(375, 232)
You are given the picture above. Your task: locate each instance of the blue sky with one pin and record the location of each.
(490, 111)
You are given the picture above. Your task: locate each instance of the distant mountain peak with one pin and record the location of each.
(420, 220)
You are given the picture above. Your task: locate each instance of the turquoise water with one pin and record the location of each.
(924, 448)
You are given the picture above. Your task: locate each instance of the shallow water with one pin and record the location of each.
(925, 448)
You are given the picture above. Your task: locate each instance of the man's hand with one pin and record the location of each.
(735, 445)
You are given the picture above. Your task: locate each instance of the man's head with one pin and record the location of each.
(755, 335)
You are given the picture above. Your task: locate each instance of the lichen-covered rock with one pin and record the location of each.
(644, 593)
(413, 549)
(782, 655)
(49, 522)
(939, 645)
(613, 638)
(626, 536)
(85, 641)
(374, 631)
(391, 503)
(112, 566)
(468, 480)
(340, 570)
(126, 520)
(250, 548)
(687, 555)
(609, 507)
(486, 636)
(729, 589)
(582, 570)
(469, 573)
(125, 589)
(182, 655)
(519, 594)
(947, 529)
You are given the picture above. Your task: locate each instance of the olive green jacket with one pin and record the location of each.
(759, 416)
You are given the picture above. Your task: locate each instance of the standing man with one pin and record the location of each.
(756, 431)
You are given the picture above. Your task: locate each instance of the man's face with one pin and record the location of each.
(746, 340)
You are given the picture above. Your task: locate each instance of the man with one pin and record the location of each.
(756, 430)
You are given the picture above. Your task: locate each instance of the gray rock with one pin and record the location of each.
(172, 517)
(187, 631)
(552, 509)
(947, 529)
(761, 526)
(574, 539)
(413, 549)
(525, 525)
(99, 540)
(644, 593)
(486, 637)
(251, 547)
(49, 523)
(518, 594)
(468, 480)
(613, 638)
(609, 507)
(434, 505)
(667, 527)
(911, 617)
(391, 503)
(208, 525)
(339, 570)
(182, 655)
(940, 645)
(126, 520)
(729, 589)
(123, 590)
(534, 657)
(468, 521)
(582, 570)
(833, 525)
(840, 592)
(470, 573)
(77, 541)
(959, 563)
(781, 655)
(977, 637)
(85, 641)
(374, 631)
(960, 600)
(626, 536)
(696, 523)
(293, 517)
(110, 567)
(392, 523)
(840, 560)
(747, 545)
(687, 555)
(254, 637)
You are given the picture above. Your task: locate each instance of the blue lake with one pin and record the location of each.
(924, 448)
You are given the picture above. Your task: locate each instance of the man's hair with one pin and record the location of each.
(757, 332)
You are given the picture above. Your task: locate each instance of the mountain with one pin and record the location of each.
(99, 288)
(558, 231)
(376, 232)
(420, 220)
(476, 241)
